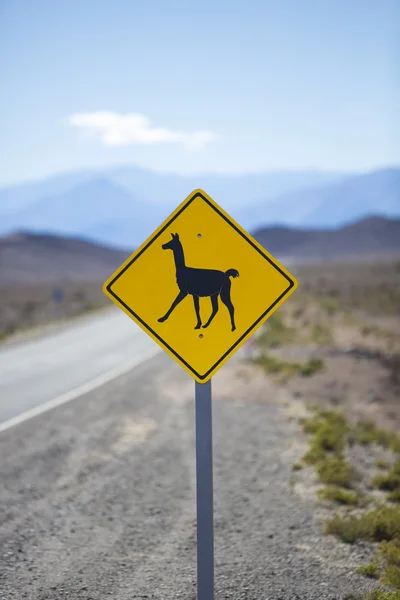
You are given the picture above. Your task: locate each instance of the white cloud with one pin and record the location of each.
(115, 129)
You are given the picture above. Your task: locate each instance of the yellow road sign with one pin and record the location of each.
(200, 286)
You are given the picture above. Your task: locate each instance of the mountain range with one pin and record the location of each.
(165, 188)
(39, 258)
(371, 237)
(122, 206)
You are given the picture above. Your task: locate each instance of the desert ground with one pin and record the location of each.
(333, 353)
(25, 307)
(329, 360)
(343, 321)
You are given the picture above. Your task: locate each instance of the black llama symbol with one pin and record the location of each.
(200, 283)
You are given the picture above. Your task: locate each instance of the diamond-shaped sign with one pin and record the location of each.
(200, 286)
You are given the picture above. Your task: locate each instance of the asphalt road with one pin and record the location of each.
(97, 496)
(40, 370)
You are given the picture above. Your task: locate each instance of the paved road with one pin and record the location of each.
(38, 371)
(97, 496)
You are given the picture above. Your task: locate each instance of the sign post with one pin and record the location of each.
(204, 483)
(235, 285)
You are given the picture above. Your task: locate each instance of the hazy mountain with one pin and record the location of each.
(80, 210)
(128, 232)
(38, 258)
(109, 212)
(232, 191)
(371, 236)
(164, 188)
(330, 205)
(18, 197)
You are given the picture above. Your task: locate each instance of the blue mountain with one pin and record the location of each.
(164, 188)
(123, 206)
(82, 211)
(327, 206)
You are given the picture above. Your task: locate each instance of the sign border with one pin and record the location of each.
(151, 239)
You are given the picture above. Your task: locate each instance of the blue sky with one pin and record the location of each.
(228, 86)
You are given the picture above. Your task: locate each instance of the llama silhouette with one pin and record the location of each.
(200, 283)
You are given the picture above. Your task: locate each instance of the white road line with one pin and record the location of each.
(79, 391)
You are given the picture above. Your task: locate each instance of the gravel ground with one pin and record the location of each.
(97, 498)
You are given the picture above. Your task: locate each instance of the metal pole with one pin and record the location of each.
(204, 476)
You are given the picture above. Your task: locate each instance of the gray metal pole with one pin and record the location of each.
(204, 476)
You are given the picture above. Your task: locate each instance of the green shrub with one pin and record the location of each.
(396, 468)
(378, 524)
(321, 334)
(382, 595)
(276, 333)
(330, 305)
(389, 482)
(394, 496)
(313, 365)
(269, 363)
(329, 429)
(297, 466)
(366, 432)
(337, 494)
(275, 366)
(380, 463)
(391, 576)
(370, 570)
(335, 470)
(390, 552)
